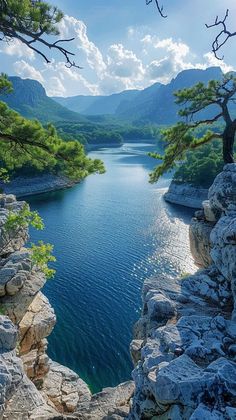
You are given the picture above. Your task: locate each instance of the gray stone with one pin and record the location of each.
(8, 334)
(200, 244)
(109, 403)
(206, 413)
(208, 213)
(186, 195)
(223, 191)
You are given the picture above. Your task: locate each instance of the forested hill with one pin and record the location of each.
(97, 105)
(29, 98)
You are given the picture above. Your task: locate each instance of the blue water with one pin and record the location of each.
(110, 232)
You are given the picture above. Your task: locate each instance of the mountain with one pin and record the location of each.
(143, 101)
(156, 104)
(29, 98)
(97, 105)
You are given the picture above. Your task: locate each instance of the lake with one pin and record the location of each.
(109, 233)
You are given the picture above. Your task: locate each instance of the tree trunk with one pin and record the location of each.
(228, 144)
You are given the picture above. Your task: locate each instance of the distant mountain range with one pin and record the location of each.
(29, 98)
(155, 104)
(97, 105)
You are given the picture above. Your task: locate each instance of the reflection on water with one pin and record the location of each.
(110, 233)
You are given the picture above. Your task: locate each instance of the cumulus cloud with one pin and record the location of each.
(17, 49)
(25, 70)
(124, 63)
(211, 60)
(138, 62)
(71, 27)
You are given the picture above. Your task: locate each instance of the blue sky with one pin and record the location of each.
(123, 44)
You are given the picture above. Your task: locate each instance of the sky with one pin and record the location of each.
(124, 44)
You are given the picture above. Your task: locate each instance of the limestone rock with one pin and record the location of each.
(223, 190)
(110, 403)
(16, 306)
(223, 252)
(28, 404)
(186, 195)
(208, 286)
(10, 241)
(204, 412)
(14, 271)
(8, 334)
(64, 389)
(37, 323)
(200, 244)
(208, 213)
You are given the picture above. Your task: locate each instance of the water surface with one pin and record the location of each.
(110, 233)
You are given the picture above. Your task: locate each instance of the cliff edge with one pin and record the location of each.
(184, 347)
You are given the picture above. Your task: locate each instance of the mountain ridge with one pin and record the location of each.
(29, 98)
(154, 104)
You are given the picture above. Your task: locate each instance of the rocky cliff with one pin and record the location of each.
(186, 195)
(184, 348)
(32, 385)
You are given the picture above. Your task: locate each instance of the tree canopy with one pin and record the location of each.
(184, 136)
(31, 21)
(24, 141)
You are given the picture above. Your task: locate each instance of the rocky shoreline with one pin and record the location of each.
(184, 350)
(186, 195)
(26, 186)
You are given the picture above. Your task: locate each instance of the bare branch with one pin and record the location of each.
(223, 36)
(159, 7)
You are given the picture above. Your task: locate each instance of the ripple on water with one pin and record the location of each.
(110, 233)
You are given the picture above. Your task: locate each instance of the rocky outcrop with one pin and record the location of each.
(25, 186)
(186, 195)
(33, 386)
(110, 404)
(184, 345)
(26, 387)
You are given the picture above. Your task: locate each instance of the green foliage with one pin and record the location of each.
(41, 255)
(2, 310)
(108, 132)
(31, 16)
(191, 134)
(201, 166)
(24, 142)
(5, 84)
(22, 219)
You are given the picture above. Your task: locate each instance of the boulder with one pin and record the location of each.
(110, 403)
(200, 244)
(222, 193)
(223, 238)
(64, 389)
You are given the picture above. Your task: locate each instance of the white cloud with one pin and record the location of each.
(60, 79)
(211, 60)
(71, 27)
(17, 49)
(124, 63)
(137, 63)
(25, 70)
